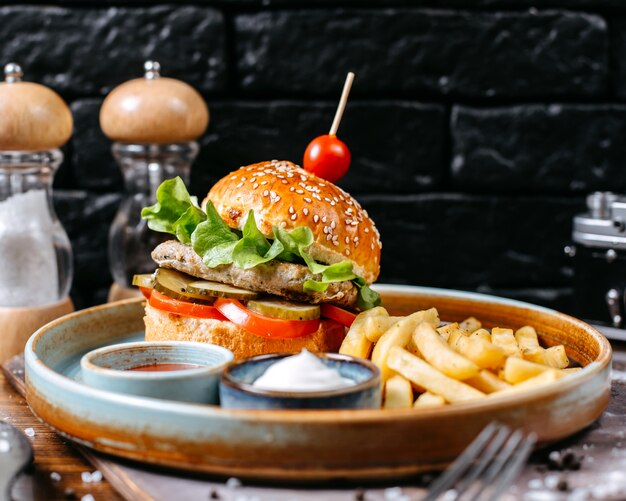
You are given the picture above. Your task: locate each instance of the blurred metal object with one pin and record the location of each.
(16, 454)
(599, 259)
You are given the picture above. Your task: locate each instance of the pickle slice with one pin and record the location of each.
(284, 309)
(216, 289)
(144, 280)
(174, 284)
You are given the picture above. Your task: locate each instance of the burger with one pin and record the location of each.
(275, 259)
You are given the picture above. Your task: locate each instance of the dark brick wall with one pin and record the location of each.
(476, 126)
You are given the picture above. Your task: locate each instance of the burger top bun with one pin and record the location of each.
(283, 194)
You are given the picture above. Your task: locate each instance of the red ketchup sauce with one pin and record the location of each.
(165, 367)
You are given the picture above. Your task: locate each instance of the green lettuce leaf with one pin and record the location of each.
(177, 213)
(253, 248)
(213, 240)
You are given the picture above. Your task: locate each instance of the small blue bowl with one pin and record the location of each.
(110, 368)
(237, 392)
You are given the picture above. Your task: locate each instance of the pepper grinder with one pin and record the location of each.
(154, 122)
(35, 252)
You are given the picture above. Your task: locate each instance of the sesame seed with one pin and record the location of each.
(252, 180)
(316, 218)
(273, 194)
(323, 219)
(326, 229)
(321, 184)
(348, 221)
(303, 177)
(233, 178)
(333, 225)
(307, 200)
(291, 211)
(255, 186)
(292, 189)
(327, 199)
(266, 193)
(263, 182)
(315, 195)
(305, 211)
(367, 230)
(332, 202)
(294, 216)
(347, 252)
(284, 181)
(347, 240)
(283, 223)
(329, 236)
(239, 185)
(372, 246)
(300, 192)
(277, 198)
(335, 242)
(243, 178)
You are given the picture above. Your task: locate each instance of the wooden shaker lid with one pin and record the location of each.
(154, 110)
(32, 116)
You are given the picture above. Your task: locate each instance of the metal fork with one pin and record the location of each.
(486, 468)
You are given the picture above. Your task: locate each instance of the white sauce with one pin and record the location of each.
(301, 372)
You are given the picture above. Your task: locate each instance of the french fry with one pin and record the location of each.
(484, 354)
(398, 335)
(428, 399)
(526, 338)
(398, 393)
(482, 334)
(376, 326)
(356, 343)
(445, 330)
(487, 382)
(545, 377)
(470, 324)
(504, 339)
(441, 356)
(517, 370)
(455, 334)
(424, 375)
(554, 356)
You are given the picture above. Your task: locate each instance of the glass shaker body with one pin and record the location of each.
(35, 250)
(144, 167)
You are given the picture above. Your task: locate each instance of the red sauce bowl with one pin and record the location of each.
(167, 370)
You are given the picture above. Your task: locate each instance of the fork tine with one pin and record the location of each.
(447, 479)
(513, 468)
(464, 483)
(500, 461)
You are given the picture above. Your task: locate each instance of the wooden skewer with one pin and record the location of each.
(342, 103)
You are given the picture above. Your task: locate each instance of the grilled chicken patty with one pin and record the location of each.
(276, 277)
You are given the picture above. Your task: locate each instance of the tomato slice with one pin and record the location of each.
(146, 292)
(261, 325)
(184, 308)
(333, 312)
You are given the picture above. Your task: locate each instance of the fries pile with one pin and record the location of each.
(423, 364)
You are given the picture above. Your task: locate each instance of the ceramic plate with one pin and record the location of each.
(307, 445)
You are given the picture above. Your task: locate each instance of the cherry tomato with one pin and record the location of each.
(344, 317)
(261, 325)
(184, 308)
(146, 292)
(327, 157)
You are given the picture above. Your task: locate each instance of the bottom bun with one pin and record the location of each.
(164, 326)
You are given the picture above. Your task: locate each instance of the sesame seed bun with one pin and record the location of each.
(283, 194)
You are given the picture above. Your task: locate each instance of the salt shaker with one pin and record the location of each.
(154, 122)
(35, 252)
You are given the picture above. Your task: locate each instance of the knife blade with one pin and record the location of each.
(16, 453)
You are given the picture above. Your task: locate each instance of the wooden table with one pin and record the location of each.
(606, 440)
